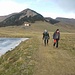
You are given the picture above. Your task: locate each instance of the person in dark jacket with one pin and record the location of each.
(46, 37)
(56, 37)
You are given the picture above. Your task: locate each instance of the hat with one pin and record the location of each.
(57, 29)
(45, 30)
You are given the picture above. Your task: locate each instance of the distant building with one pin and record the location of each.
(26, 24)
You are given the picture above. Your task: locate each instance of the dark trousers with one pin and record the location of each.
(46, 42)
(56, 43)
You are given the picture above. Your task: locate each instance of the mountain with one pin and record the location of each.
(2, 18)
(26, 15)
(6, 16)
(31, 16)
(66, 20)
(50, 20)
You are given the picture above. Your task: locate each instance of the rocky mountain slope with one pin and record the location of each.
(26, 15)
(6, 16)
(32, 16)
(2, 18)
(50, 20)
(70, 21)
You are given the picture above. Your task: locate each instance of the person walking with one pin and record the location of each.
(56, 37)
(46, 37)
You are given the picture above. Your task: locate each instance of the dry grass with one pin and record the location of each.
(33, 58)
(60, 61)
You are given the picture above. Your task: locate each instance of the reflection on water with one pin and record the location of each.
(9, 43)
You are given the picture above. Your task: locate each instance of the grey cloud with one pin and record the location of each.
(66, 5)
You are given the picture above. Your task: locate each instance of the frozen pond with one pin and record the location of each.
(9, 44)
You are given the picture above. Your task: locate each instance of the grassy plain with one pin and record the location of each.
(31, 57)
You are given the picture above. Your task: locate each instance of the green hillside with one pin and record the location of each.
(36, 27)
(31, 57)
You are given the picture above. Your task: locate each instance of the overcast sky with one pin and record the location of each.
(47, 8)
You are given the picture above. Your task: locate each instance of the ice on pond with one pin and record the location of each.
(9, 44)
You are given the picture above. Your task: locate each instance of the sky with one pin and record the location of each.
(47, 8)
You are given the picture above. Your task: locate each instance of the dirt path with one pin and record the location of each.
(53, 61)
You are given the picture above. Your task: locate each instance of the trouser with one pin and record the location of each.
(56, 43)
(46, 42)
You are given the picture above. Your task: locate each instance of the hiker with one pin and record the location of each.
(46, 37)
(56, 37)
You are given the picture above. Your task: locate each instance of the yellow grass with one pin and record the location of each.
(40, 59)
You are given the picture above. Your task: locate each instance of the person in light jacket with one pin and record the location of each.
(46, 37)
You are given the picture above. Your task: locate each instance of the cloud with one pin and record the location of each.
(54, 15)
(48, 8)
(66, 5)
(10, 6)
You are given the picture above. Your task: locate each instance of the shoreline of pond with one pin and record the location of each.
(8, 44)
